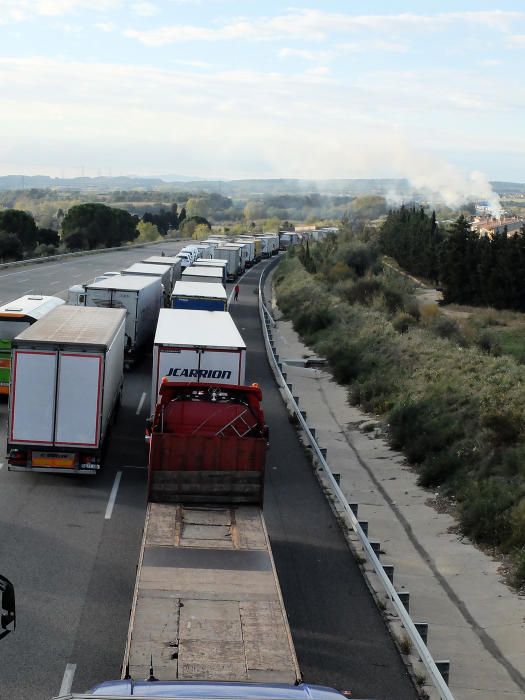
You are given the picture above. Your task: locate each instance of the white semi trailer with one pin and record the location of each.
(197, 346)
(66, 386)
(142, 298)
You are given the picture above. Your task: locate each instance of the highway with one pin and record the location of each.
(70, 545)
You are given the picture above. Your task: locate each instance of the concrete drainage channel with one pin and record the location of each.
(414, 634)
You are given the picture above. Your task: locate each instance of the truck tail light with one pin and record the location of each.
(88, 461)
(17, 458)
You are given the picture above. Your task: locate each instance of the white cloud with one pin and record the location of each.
(317, 25)
(318, 71)
(145, 9)
(306, 54)
(21, 10)
(105, 26)
(490, 62)
(517, 41)
(192, 63)
(216, 122)
(372, 45)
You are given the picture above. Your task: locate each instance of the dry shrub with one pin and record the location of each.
(428, 313)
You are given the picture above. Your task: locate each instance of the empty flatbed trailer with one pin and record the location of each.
(207, 603)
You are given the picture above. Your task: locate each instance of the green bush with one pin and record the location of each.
(445, 327)
(364, 291)
(313, 317)
(374, 394)
(518, 576)
(488, 343)
(393, 301)
(455, 411)
(403, 321)
(360, 257)
(486, 509)
(344, 358)
(504, 428)
(512, 463)
(439, 467)
(425, 428)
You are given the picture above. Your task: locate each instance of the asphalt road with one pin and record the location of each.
(74, 567)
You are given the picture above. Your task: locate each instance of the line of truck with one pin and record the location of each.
(207, 617)
(64, 346)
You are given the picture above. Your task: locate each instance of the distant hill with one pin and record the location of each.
(242, 189)
(239, 188)
(508, 187)
(27, 182)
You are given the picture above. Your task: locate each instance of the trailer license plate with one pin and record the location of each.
(53, 459)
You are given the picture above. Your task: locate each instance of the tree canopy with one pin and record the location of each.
(87, 226)
(22, 225)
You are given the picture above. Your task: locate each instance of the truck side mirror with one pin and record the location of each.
(7, 607)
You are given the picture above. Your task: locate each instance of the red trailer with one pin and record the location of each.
(207, 444)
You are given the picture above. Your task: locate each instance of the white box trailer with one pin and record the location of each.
(142, 298)
(254, 246)
(173, 262)
(271, 244)
(213, 243)
(194, 346)
(287, 239)
(67, 384)
(248, 251)
(217, 264)
(162, 271)
(196, 295)
(205, 251)
(233, 255)
(265, 246)
(197, 273)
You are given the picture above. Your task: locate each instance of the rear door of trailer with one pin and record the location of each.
(56, 399)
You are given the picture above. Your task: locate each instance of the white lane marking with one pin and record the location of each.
(141, 403)
(1, 465)
(54, 284)
(26, 279)
(113, 496)
(29, 291)
(22, 272)
(67, 680)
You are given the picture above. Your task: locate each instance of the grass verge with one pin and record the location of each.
(453, 407)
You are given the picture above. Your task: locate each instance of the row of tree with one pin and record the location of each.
(19, 235)
(471, 269)
(414, 239)
(88, 226)
(166, 219)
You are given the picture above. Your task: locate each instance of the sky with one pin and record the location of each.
(432, 91)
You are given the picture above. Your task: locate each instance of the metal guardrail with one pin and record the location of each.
(417, 642)
(80, 253)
